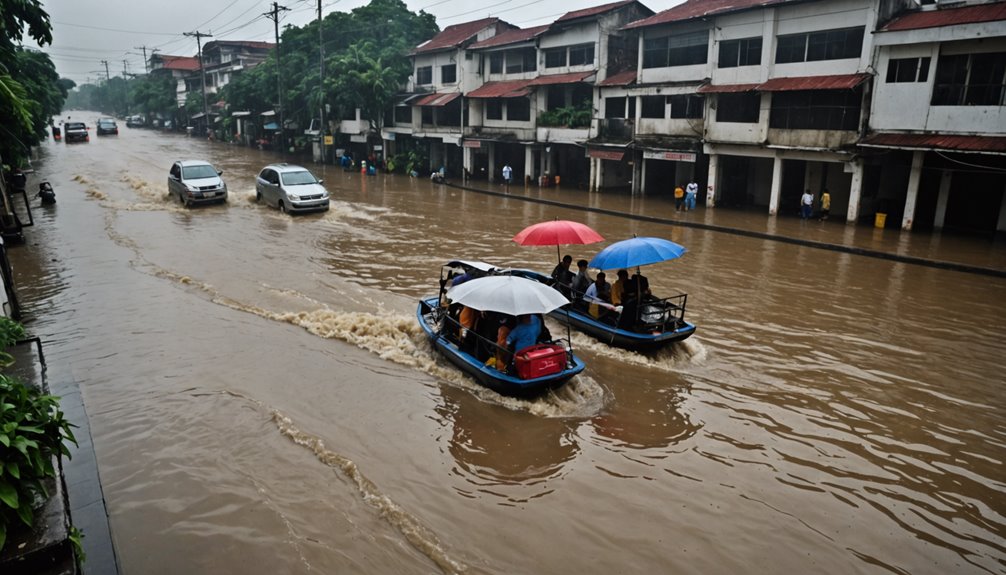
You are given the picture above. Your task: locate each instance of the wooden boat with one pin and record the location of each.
(658, 322)
(545, 366)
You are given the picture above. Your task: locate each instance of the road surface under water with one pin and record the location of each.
(263, 401)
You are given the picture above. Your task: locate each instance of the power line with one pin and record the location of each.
(114, 29)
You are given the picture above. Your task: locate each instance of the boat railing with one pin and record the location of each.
(661, 311)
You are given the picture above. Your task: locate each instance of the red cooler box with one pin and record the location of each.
(540, 360)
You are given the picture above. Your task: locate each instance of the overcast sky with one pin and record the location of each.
(87, 32)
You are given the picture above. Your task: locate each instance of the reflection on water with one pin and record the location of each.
(832, 414)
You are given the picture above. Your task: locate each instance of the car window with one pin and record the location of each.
(175, 170)
(197, 172)
(297, 178)
(75, 126)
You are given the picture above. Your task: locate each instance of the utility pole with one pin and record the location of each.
(108, 78)
(321, 60)
(125, 87)
(146, 68)
(274, 16)
(202, 70)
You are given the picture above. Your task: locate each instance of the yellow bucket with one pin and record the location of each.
(879, 220)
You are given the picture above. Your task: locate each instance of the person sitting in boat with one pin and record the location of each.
(598, 296)
(619, 287)
(506, 324)
(563, 277)
(581, 281)
(525, 334)
(642, 284)
(466, 333)
(630, 304)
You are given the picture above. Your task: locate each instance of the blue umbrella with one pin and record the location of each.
(636, 252)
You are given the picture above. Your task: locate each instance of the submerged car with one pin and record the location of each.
(291, 188)
(107, 126)
(196, 182)
(75, 132)
(134, 122)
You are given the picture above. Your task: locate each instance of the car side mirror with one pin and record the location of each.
(220, 172)
(321, 182)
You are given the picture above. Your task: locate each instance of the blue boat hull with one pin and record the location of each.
(490, 377)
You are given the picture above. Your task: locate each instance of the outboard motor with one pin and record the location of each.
(46, 193)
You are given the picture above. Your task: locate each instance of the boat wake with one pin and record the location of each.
(675, 357)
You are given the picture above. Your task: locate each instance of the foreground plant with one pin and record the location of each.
(32, 431)
(11, 332)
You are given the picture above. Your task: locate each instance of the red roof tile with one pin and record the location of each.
(510, 37)
(702, 8)
(454, 36)
(948, 17)
(726, 88)
(620, 79)
(571, 78)
(187, 63)
(948, 142)
(837, 82)
(437, 100)
(587, 12)
(506, 89)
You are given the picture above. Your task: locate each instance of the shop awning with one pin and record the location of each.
(726, 88)
(620, 79)
(553, 79)
(837, 82)
(507, 89)
(437, 100)
(943, 142)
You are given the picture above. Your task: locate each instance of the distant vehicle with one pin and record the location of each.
(75, 132)
(135, 122)
(196, 182)
(291, 188)
(107, 126)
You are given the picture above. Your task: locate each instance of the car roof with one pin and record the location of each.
(187, 163)
(286, 168)
(107, 120)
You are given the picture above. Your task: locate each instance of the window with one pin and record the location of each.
(816, 110)
(582, 55)
(738, 107)
(494, 109)
(686, 106)
(556, 98)
(496, 63)
(614, 107)
(520, 61)
(424, 75)
(970, 80)
(403, 115)
(653, 107)
(746, 52)
(555, 58)
(449, 74)
(817, 46)
(427, 115)
(518, 109)
(907, 70)
(679, 50)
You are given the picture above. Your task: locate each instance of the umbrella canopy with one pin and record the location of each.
(557, 232)
(507, 294)
(636, 252)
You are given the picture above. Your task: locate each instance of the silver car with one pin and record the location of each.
(196, 182)
(291, 189)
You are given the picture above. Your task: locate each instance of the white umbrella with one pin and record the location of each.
(507, 294)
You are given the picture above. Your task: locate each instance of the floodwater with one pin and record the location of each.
(263, 401)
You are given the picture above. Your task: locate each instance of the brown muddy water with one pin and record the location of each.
(263, 401)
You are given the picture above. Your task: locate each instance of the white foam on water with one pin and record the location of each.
(674, 357)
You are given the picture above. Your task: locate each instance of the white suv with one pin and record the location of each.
(196, 182)
(291, 189)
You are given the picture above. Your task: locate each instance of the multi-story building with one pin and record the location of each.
(223, 59)
(936, 144)
(177, 68)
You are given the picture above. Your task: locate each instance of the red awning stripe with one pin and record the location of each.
(507, 89)
(946, 142)
(837, 82)
(437, 99)
(553, 79)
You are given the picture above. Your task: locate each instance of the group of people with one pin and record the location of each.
(684, 197)
(807, 205)
(615, 302)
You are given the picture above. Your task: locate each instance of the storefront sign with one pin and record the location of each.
(329, 140)
(473, 143)
(378, 148)
(607, 154)
(669, 156)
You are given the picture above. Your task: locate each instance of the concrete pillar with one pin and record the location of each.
(855, 192)
(773, 202)
(714, 167)
(942, 199)
(637, 171)
(528, 161)
(1001, 225)
(642, 174)
(592, 179)
(600, 174)
(492, 162)
(914, 178)
(467, 158)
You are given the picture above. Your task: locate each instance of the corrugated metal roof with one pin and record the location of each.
(453, 36)
(701, 9)
(180, 62)
(437, 99)
(570, 78)
(507, 89)
(946, 142)
(620, 79)
(510, 37)
(837, 82)
(587, 12)
(948, 17)
(726, 88)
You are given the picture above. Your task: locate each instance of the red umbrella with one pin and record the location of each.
(556, 233)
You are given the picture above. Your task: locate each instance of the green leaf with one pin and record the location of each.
(26, 515)
(3, 533)
(13, 469)
(8, 495)
(4, 440)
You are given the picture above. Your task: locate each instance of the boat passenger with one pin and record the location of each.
(466, 333)
(581, 281)
(619, 287)
(525, 334)
(503, 355)
(562, 276)
(598, 296)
